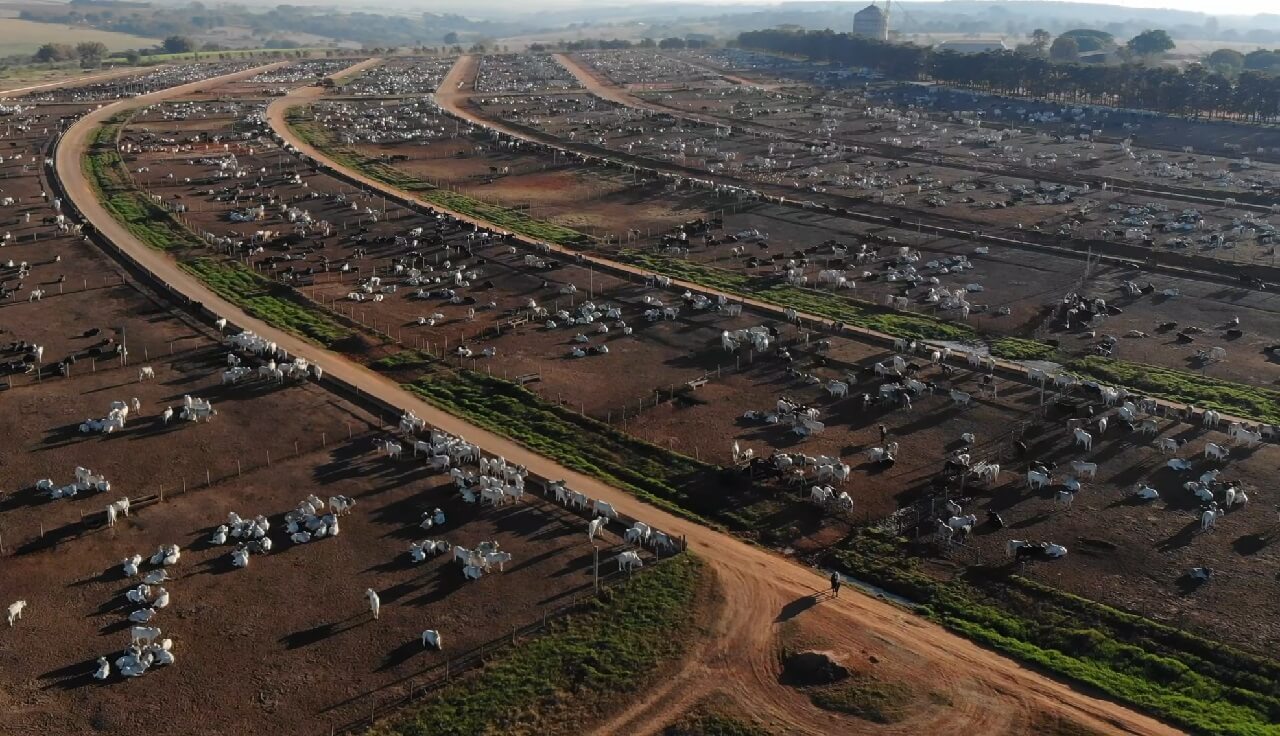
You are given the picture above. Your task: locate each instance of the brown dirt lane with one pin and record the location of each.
(761, 590)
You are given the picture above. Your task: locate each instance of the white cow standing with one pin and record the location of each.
(375, 603)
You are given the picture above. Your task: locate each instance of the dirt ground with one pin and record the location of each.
(285, 640)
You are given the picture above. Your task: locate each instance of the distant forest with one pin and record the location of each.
(371, 29)
(1250, 94)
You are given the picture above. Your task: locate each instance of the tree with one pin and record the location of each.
(1262, 60)
(132, 56)
(1150, 43)
(1065, 49)
(1226, 61)
(1040, 40)
(672, 43)
(51, 52)
(1088, 40)
(178, 45)
(451, 38)
(91, 53)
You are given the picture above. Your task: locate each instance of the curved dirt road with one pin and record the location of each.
(760, 591)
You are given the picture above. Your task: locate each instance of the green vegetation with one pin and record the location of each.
(497, 215)
(850, 311)
(1016, 348)
(1252, 402)
(658, 476)
(1195, 683)
(270, 302)
(579, 667)
(865, 698)
(132, 208)
(505, 218)
(403, 360)
(155, 226)
(714, 724)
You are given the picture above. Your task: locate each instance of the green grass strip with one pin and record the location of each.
(656, 475)
(144, 218)
(270, 302)
(497, 215)
(1238, 399)
(580, 666)
(852, 312)
(1192, 682)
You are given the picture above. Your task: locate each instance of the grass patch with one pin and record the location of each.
(776, 291)
(1017, 348)
(1197, 684)
(270, 302)
(866, 698)
(580, 667)
(497, 215)
(403, 360)
(1253, 402)
(658, 476)
(139, 214)
(714, 724)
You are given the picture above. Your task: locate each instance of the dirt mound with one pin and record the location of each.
(812, 667)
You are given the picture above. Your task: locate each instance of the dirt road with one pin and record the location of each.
(761, 591)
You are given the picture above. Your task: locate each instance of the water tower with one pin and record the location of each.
(872, 22)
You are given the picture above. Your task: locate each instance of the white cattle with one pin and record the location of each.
(1083, 469)
(595, 526)
(1038, 480)
(1215, 451)
(15, 610)
(629, 561)
(1146, 492)
(431, 638)
(143, 635)
(1084, 439)
(1178, 464)
(1209, 518)
(1168, 445)
(638, 534)
(960, 398)
(604, 508)
(375, 603)
(146, 372)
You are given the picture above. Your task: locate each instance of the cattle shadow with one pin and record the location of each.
(317, 634)
(1252, 544)
(74, 676)
(797, 607)
(1181, 538)
(446, 581)
(1188, 584)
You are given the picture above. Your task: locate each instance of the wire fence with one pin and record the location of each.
(33, 536)
(421, 685)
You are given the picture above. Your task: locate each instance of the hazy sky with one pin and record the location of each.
(1220, 7)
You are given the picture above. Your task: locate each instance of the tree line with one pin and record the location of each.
(1197, 90)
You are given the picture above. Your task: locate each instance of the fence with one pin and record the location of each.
(428, 681)
(24, 541)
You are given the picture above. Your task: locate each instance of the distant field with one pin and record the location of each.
(24, 37)
(229, 54)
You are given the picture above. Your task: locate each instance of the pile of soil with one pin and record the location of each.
(812, 667)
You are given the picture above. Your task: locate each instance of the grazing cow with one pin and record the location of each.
(15, 611)
(1084, 439)
(431, 638)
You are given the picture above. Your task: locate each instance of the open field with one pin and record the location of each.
(24, 37)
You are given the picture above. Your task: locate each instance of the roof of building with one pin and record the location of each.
(869, 11)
